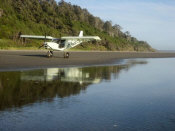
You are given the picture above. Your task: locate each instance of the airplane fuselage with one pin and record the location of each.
(62, 44)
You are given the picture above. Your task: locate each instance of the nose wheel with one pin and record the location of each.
(49, 54)
(66, 54)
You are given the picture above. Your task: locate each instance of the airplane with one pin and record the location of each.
(63, 74)
(63, 43)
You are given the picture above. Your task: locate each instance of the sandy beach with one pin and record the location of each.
(17, 60)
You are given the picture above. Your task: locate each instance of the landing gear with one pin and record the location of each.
(49, 54)
(66, 54)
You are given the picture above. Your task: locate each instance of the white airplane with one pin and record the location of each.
(63, 43)
(63, 74)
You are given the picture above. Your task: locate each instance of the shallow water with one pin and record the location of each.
(139, 94)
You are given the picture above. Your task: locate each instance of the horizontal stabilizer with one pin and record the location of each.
(37, 37)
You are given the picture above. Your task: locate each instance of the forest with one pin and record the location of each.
(40, 17)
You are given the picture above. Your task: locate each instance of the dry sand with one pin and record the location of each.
(17, 60)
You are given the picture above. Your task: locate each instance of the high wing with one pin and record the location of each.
(81, 37)
(37, 37)
(84, 38)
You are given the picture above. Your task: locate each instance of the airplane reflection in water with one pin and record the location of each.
(80, 75)
(64, 74)
(20, 88)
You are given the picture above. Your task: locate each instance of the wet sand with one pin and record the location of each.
(18, 60)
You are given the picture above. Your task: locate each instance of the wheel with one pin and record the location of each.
(49, 54)
(66, 54)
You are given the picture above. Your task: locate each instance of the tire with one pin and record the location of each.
(49, 54)
(66, 54)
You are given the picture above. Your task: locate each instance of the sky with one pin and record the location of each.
(148, 20)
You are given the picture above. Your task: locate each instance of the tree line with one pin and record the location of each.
(61, 18)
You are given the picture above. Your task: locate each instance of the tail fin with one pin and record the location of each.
(81, 34)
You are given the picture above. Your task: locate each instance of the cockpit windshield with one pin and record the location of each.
(56, 41)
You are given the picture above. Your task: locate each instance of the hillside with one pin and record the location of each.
(37, 17)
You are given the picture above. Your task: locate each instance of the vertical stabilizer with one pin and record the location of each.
(81, 34)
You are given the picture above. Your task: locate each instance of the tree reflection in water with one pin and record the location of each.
(21, 88)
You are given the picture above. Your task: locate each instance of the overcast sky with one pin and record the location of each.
(149, 20)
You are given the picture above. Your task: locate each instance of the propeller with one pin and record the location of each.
(44, 42)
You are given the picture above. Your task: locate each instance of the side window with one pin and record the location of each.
(62, 44)
(58, 41)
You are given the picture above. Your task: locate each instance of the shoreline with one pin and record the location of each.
(32, 59)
